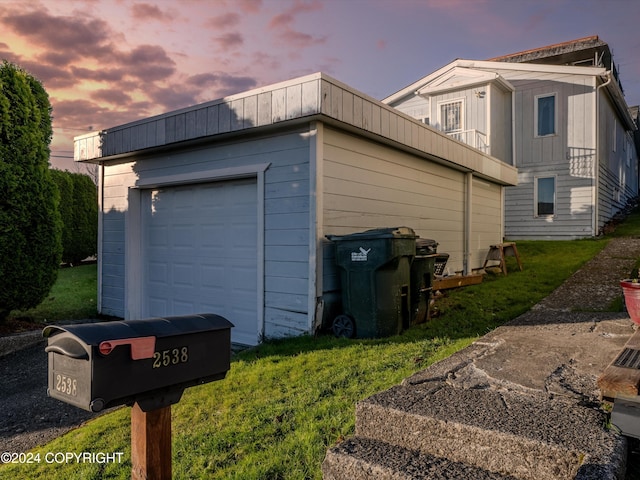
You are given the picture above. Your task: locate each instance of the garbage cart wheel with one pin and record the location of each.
(343, 326)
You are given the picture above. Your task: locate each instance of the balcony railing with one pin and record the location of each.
(474, 138)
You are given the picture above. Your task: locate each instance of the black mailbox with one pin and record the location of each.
(100, 365)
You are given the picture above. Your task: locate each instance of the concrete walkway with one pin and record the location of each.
(520, 403)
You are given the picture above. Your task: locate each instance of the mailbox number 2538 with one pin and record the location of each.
(66, 385)
(173, 356)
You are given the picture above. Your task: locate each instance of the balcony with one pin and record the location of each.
(474, 138)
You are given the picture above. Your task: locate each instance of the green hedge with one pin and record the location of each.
(79, 212)
(30, 225)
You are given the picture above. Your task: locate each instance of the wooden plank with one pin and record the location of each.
(456, 281)
(616, 381)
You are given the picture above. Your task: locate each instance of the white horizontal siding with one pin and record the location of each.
(574, 213)
(370, 186)
(486, 220)
(286, 218)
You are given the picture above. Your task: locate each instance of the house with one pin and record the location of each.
(556, 113)
(224, 207)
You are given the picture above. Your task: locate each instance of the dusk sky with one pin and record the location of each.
(108, 62)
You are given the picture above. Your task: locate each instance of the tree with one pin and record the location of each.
(30, 226)
(79, 212)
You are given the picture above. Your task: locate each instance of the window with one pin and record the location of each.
(451, 116)
(545, 196)
(545, 112)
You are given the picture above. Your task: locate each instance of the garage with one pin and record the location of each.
(224, 207)
(199, 245)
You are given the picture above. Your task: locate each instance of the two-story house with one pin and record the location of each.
(556, 113)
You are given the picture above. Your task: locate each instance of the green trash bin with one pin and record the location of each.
(375, 268)
(422, 269)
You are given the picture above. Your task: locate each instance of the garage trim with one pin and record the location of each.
(133, 230)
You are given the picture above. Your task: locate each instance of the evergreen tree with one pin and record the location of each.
(30, 226)
(79, 212)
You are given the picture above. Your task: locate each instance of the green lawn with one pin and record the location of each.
(285, 402)
(73, 296)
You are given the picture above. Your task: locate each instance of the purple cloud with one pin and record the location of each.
(230, 40)
(147, 11)
(112, 96)
(85, 36)
(226, 20)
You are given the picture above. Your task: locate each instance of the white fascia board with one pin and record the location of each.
(531, 67)
(410, 90)
(473, 78)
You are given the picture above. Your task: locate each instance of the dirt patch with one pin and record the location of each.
(19, 325)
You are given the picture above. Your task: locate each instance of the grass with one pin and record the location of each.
(285, 402)
(73, 296)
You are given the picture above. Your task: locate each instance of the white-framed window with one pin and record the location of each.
(451, 115)
(614, 136)
(545, 196)
(546, 115)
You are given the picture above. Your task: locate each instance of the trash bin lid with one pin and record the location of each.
(426, 246)
(389, 232)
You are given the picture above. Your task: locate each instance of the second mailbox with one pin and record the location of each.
(100, 365)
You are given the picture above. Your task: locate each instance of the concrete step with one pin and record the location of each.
(365, 459)
(527, 435)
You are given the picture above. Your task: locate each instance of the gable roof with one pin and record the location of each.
(491, 66)
(602, 75)
(458, 77)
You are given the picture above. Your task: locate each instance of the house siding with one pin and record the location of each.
(487, 220)
(286, 219)
(500, 116)
(618, 168)
(367, 186)
(568, 156)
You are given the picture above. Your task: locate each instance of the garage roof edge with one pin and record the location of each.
(316, 96)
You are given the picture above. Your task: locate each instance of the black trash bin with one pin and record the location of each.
(422, 279)
(375, 269)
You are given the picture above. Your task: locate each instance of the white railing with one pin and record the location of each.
(474, 138)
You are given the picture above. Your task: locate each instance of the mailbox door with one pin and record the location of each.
(70, 380)
(178, 362)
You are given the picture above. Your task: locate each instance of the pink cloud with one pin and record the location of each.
(111, 95)
(283, 23)
(226, 20)
(146, 11)
(88, 37)
(230, 40)
(249, 6)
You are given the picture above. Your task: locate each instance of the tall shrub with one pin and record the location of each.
(79, 212)
(30, 227)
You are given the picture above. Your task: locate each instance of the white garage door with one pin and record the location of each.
(200, 253)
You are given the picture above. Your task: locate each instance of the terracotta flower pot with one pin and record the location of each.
(631, 292)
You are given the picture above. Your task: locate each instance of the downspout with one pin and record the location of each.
(513, 129)
(468, 223)
(596, 166)
(100, 231)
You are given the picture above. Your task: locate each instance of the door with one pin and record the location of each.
(200, 252)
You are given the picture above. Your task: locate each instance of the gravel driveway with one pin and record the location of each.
(29, 417)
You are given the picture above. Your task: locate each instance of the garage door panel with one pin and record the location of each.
(184, 274)
(200, 253)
